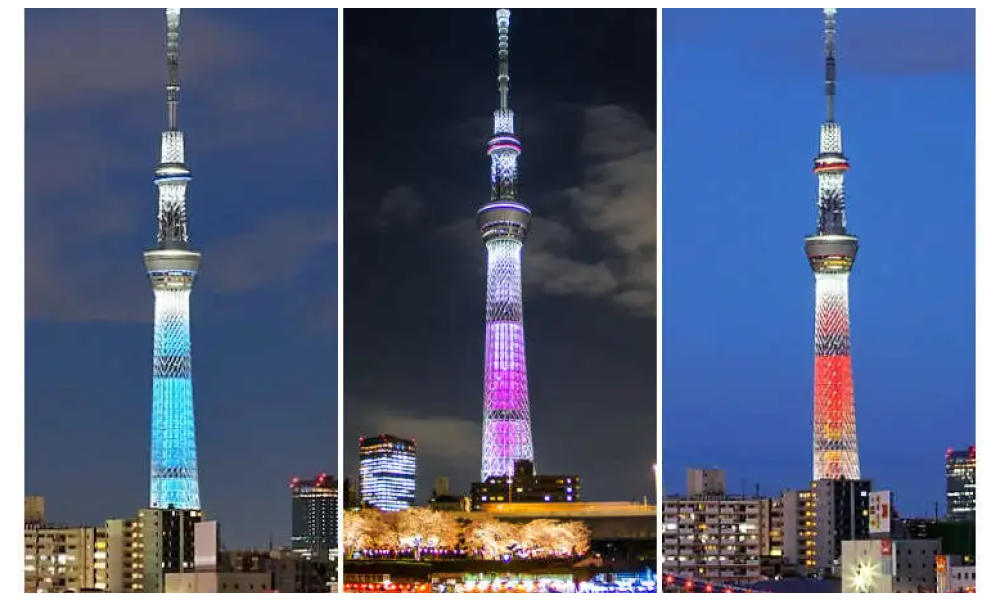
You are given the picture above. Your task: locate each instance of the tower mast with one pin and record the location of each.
(172, 267)
(831, 252)
(503, 223)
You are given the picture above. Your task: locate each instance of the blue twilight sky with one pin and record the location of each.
(258, 107)
(743, 101)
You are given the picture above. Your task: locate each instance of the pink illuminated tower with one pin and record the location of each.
(503, 223)
(831, 253)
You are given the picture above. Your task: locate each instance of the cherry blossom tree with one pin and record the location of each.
(492, 538)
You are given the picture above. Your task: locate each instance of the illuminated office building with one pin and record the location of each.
(314, 516)
(388, 473)
(960, 470)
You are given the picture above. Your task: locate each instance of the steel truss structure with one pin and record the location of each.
(832, 251)
(172, 267)
(504, 224)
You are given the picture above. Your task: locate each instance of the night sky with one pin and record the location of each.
(420, 90)
(258, 107)
(743, 101)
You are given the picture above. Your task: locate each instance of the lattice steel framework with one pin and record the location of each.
(172, 267)
(504, 224)
(831, 253)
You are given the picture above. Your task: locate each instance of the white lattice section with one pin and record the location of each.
(503, 283)
(831, 194)
(833, 320)
(172, 147)
(504, 167)
(173, 207)
(829, 139)
(503, 121)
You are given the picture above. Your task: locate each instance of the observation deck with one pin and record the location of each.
(831, 253)
(172, 269)
(504, 220)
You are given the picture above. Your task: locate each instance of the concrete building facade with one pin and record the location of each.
(887, 566)
(817, 521)
(60, 559)
(143, 549)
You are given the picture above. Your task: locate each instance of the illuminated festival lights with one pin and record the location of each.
(172, 267)
(504, 223)
(831, 253)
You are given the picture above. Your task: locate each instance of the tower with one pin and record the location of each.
(172, 266)
(831, 253)
(503, 223)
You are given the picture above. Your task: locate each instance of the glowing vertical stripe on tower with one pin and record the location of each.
(172, 266)
(831, 253)
(504, 223)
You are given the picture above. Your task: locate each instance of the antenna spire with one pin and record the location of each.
(830, 39)
(173, 66)
(503, 77)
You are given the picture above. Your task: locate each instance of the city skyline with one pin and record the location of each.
(805, 406)
(413, 344)
(752, 318)
(264, 314)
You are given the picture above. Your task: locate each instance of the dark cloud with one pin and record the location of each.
(85, 196)
(443, 440)
(613, 206)
(77, 58)
(401, 203)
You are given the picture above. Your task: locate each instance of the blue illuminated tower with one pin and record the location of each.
(172, 266)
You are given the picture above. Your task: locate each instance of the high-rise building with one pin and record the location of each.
(715, 537)
(314, 516)
(817, 522)
(503, 223)
(526, 486)
(831, 253)
(798, 545)
(144, 548)
(388, 472)
(62, 558)
(960, 471)
(172, 266)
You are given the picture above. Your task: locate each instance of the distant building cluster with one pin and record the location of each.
(158, 550)
(839, 529)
